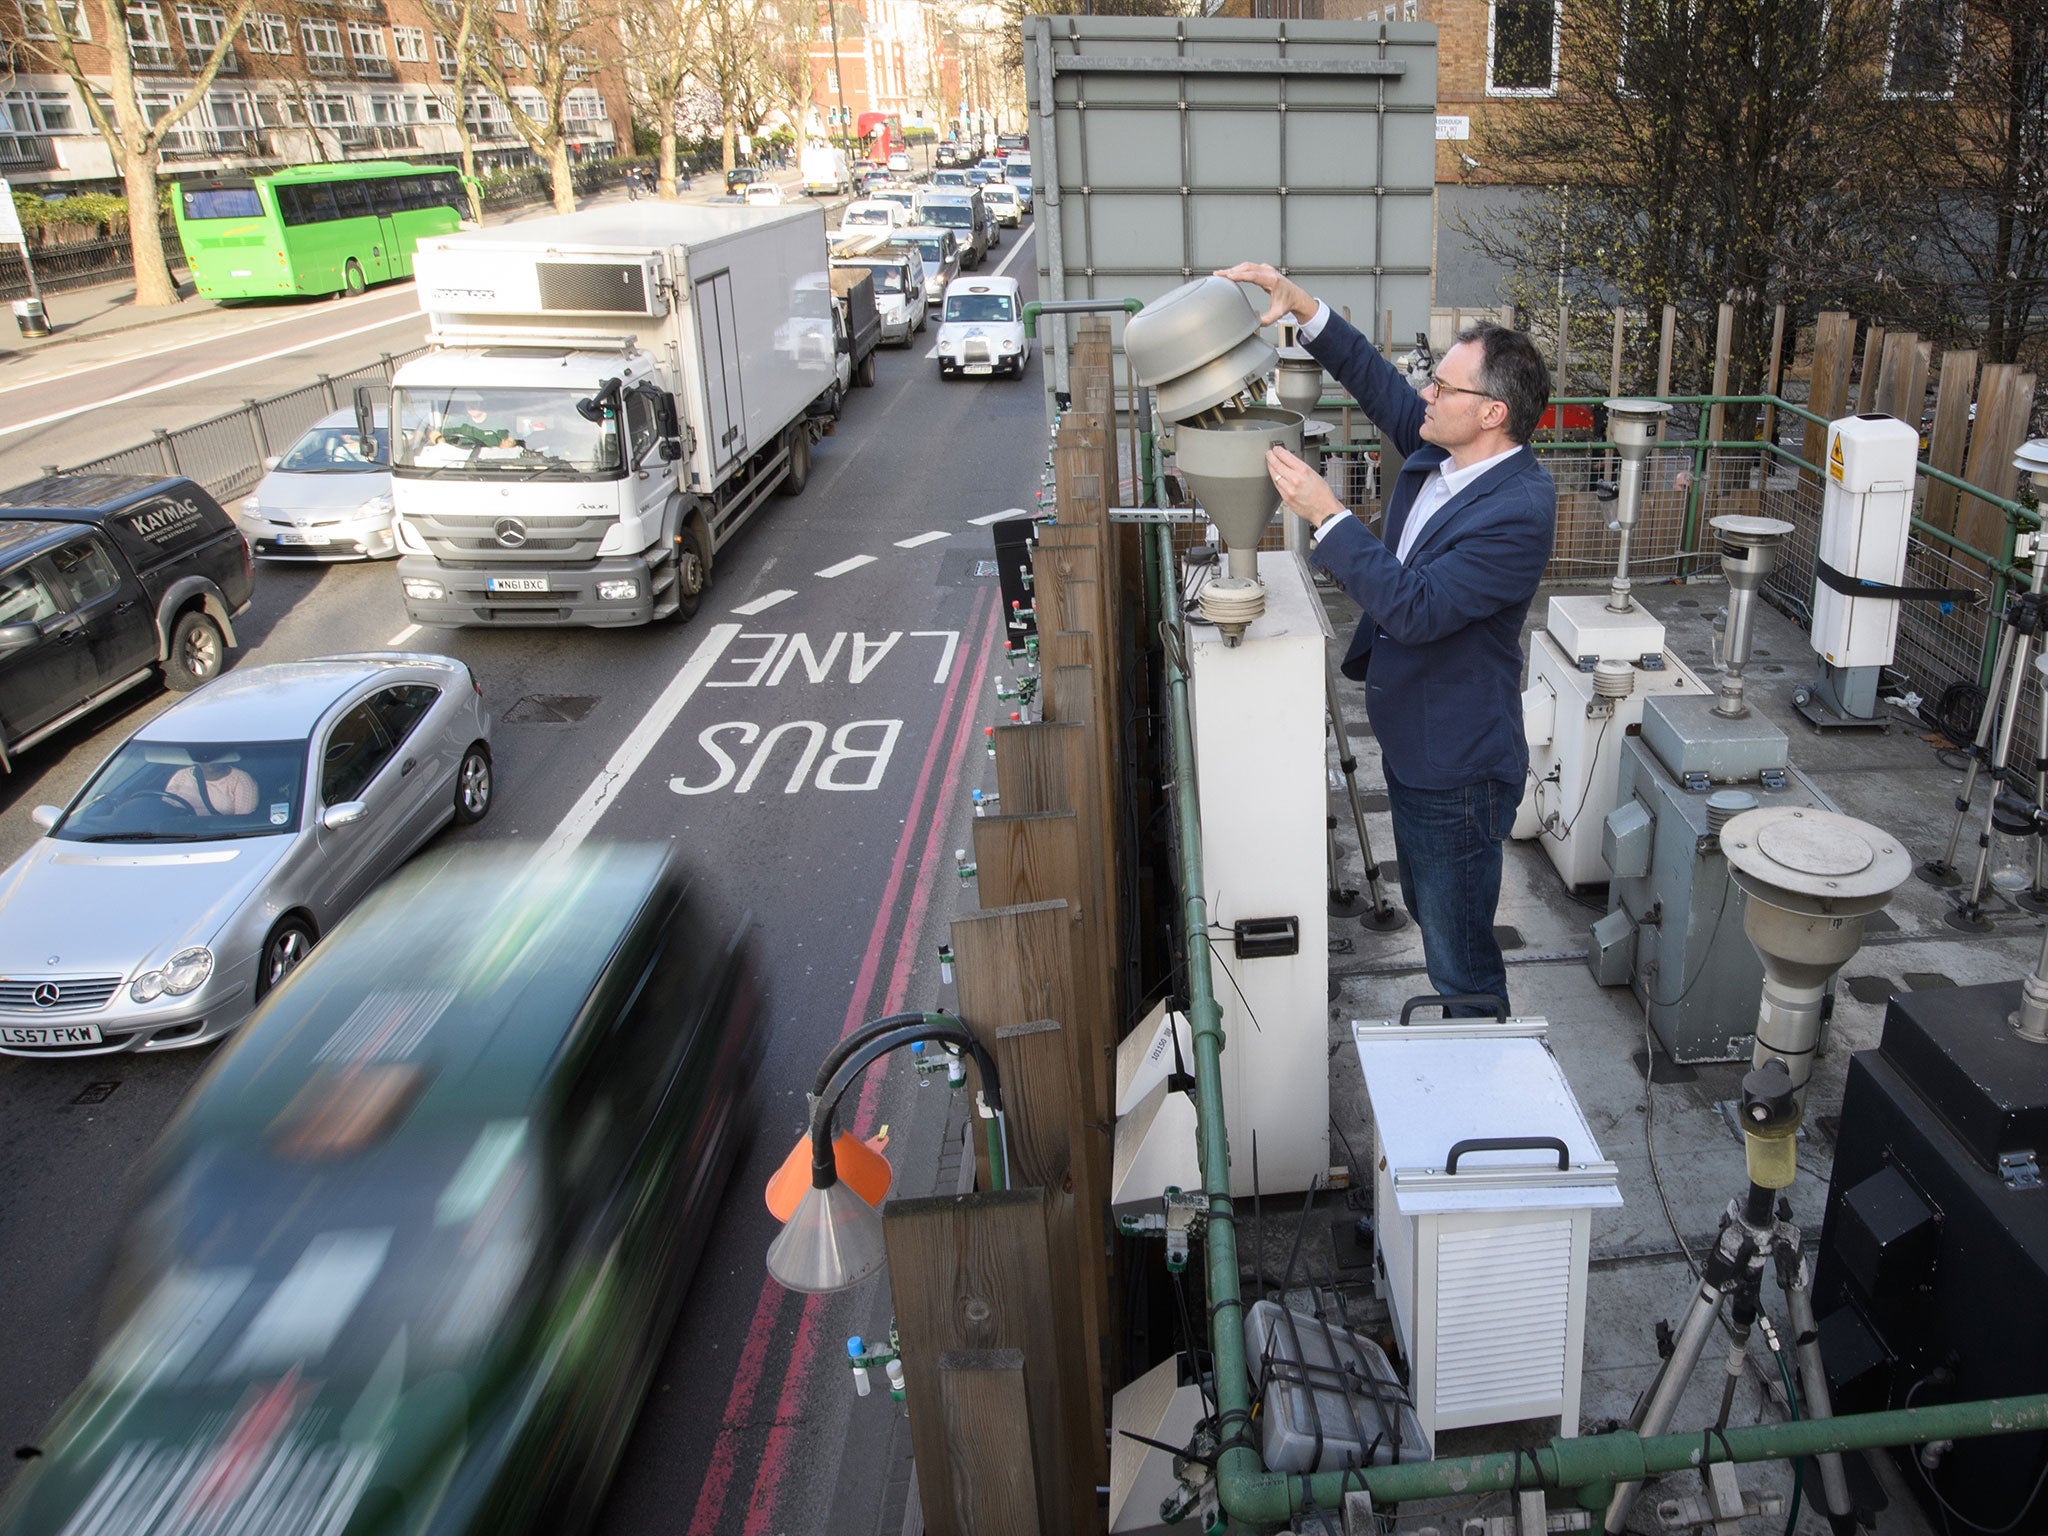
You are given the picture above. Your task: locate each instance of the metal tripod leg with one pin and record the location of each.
(1382, 916)
(1942, 871)
(2035, 897)
(1967, 914)
(1653, 1413)
(1813, 1382)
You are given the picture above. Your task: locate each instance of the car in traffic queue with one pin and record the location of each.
(108, 582)
(1008, 144)
(1004, 205)
(740, 177)
(898, 162)
(941, 254)
(956, 178)
(981, 331)
(966, 215)
(213, 848)
(406, 1257)
(1017, 172)
(946, 156)
(898, 291)
(327, 497)
(763, 194)
(871, 215)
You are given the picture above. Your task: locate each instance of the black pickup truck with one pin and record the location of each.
(105, 582)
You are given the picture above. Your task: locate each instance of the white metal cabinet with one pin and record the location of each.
(1483, 1252)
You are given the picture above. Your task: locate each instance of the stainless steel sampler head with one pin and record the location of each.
(1198, 346)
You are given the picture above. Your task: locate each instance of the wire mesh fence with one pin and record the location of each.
(227, 453)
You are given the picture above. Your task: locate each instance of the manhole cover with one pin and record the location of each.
(551, 709)
(96, 1093)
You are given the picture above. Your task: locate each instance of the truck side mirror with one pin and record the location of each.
(366, 415)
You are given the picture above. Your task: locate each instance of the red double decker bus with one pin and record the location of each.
(881, 134)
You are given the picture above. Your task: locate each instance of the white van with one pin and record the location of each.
(873, 216)
(982, 329)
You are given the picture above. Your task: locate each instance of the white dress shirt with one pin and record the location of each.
(1438, 489)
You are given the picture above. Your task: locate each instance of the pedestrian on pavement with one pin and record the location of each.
(1445, 588)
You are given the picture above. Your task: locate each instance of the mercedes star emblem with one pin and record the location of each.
(47, 995)
(510, 531)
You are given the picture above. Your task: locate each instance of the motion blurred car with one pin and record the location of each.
(741, 177)
(899, 163)
(406, 1258)
(208, 854)
(327, 498)
(957, 179)
(946, 156)
(763, 194)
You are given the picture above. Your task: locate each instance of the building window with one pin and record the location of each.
(444, 55)
(412, 44)
(1521, 47)
(366, 45)
(322, 42)
(38, 112)
(36, 24)
(1920, 57)
(148, 43)
(267, 33)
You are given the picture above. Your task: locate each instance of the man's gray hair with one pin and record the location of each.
(1513, 372)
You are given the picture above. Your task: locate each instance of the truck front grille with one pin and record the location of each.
(476, 537)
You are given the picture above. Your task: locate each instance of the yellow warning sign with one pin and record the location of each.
(1835, 466)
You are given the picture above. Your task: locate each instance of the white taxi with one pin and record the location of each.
(982, 329)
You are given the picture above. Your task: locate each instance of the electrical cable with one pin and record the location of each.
(1650, 1146)
(1949, 1509)
(1584, 795)
(1798, 1462)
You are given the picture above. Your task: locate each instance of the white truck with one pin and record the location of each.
(825, 170)
(608, 397)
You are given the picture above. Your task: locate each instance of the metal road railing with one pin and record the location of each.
(226, 453)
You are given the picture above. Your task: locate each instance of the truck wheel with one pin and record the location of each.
(197, 650)
(864, 376)
(352, 274)
(693, 572)
(798, 475)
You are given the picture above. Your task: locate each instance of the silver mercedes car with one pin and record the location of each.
(327, 498)
(209, 853)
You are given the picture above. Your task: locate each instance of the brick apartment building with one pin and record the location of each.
(305, 81)
(929, 63)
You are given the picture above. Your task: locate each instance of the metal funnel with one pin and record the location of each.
(1749, 553)
(1224, 460)
(1811, 878)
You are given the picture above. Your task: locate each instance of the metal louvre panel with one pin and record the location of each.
(1501, 1314)
(976, 351)
(473, 537)
(600, 287)
(75, 993)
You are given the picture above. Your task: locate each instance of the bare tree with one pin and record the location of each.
(1972, 93)
(659, 44)
(132, 137)
(1691, 154)
(732, 68)
(555, 54)
(790, 28)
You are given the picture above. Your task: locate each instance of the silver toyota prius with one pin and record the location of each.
(210, 852)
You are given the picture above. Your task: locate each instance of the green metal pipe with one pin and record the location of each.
(1039, 307)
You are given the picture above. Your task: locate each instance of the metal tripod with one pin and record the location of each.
(2025, 616)
(1376, 911)
(1753, 1232)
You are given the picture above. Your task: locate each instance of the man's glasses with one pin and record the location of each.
(1442, 388)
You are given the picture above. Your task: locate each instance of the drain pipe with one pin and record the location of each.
(1252, 1496)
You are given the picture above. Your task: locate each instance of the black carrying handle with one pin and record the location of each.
(1509, 1144)
(1479, 1000)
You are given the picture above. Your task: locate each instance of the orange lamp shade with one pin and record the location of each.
(862, 1169)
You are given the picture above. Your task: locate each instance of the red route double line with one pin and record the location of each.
(929, 819)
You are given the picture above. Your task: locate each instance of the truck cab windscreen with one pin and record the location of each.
(515, 434)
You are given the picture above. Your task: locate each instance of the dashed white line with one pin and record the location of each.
(844, 566)
(765, 601)
(923, 538)
(401, 637)
(998, 517)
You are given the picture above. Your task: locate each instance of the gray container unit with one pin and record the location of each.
(1163, 149)
(1331, 1399)
(1674, 931)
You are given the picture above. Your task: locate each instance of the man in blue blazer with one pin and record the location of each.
(1445, 589)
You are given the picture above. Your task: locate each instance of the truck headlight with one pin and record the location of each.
(186, 971)
(425, 591)
(618, 591)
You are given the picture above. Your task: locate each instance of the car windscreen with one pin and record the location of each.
(888, 275)
(931, 247)
(949, 215)
(337, 450)
(983, 308)
(190, 792)
(516, 434)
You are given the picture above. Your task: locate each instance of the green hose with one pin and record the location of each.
(1798, 1462)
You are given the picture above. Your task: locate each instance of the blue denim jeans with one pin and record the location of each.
(1447, 843)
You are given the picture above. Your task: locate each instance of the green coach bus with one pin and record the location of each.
(313, 229)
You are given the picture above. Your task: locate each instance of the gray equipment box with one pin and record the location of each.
(1331, 1400)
